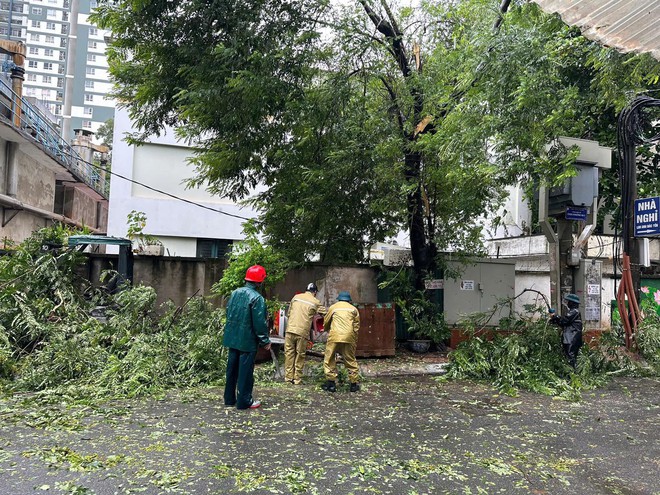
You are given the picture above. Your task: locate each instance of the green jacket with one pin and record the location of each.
(246, 327)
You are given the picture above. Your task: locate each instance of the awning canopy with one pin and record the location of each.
(626, 25)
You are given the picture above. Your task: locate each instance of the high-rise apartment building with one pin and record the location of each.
(66, 70)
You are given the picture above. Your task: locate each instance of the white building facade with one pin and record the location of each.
(184, 228)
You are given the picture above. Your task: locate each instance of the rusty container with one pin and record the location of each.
(377, 330)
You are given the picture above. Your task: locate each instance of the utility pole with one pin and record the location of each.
(630, 134)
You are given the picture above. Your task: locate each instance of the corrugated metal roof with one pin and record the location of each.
(627, 25)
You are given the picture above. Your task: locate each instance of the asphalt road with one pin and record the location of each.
(402, 435)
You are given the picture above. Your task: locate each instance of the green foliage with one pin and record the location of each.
(136, 222)
(48, 338)
(105, 132)
(526, 353)
(423, 318)
(247, 253)
(353, 139)
(648, 336)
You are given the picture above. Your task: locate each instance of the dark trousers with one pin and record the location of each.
(240, 378)
(572, 349)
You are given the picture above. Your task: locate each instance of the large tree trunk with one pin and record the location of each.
(420, 239)
(419, 244)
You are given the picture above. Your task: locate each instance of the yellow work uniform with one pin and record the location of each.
(343, 323)
(302, 309)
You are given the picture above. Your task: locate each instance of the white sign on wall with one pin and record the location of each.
(592, 313)
(434, 284)
(467, 284)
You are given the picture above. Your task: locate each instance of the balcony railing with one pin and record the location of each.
(31, 122)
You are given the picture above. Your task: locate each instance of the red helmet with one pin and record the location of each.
(256, 273)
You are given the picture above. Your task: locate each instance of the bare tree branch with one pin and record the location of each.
(393, 98)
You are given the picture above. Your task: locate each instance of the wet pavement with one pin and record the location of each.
(401, 434)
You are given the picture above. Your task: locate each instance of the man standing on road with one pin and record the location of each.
(302, 309)
(343, 324)
(246, 329)
(571, 324)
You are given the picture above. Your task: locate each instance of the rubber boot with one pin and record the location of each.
(329, 386)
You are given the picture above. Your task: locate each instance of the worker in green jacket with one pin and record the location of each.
(246, 329)
(343, 323)
(302, 309)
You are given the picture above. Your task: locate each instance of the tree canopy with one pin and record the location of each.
(372, 117)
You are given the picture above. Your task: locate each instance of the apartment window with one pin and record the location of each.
(32, 77)
(60, 96)
(62, 56)
(50, 26)
(89, 98)
(60, 82)
(91, 45)
(88, 112)
(65, 16)
(16, 32)
(3, 31)
(51, 13)
(87, 124)
(35, 37)
(91, 57)
(63, 42)
(93, 4)
(50, 38)
(90, 71)
(52, 1)
(32, 64)
(93, 31)
(89, 84)
(48, 66)
(36, 10)
(213, 248)
(48, 52)
(36, 24)
(46, 79)
(34, 50)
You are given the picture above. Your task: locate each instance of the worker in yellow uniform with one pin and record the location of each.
(343, 323)
(302, 309)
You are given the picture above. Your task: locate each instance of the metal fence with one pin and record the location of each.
(31, 122)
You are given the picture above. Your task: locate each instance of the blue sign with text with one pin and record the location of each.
(576, 213)
(647, 217)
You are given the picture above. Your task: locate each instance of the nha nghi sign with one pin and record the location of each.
(647, 217)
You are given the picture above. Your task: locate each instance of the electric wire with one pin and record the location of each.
(630, 133)
(173, 196)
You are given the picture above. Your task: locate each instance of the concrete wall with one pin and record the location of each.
(85, 205)
(360, 281)
(174, 279)
(34, 185)
(29, 175)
